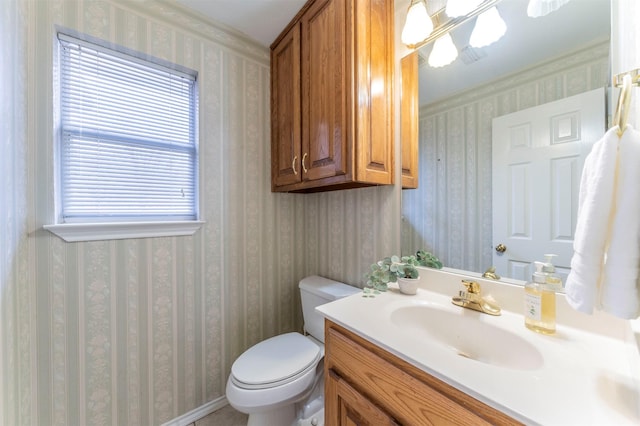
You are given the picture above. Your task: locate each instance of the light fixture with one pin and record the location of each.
(443, 53)
(457, 8)
(537, 8)
(418, 25)
(489, 28)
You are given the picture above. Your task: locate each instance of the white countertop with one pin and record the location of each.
(589, 373)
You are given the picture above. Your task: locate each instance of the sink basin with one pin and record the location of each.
(468, 334)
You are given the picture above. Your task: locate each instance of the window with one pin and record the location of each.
(127, 148)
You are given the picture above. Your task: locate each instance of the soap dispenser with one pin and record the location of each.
(550, 272)
(540, 303)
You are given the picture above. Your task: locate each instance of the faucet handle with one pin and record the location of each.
(491, 274)
(472, 286)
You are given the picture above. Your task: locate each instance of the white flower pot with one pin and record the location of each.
(408, 285)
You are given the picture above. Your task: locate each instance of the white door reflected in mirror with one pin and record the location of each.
(538, 154)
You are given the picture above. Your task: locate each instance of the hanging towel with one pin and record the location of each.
(606, 263)
(594, 201)
(619, 292)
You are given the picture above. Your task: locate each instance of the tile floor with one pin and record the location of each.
(226, 416)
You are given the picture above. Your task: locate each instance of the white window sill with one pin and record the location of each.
(73, 232)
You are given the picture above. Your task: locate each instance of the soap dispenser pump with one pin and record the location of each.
(550, 272)
(540, 303)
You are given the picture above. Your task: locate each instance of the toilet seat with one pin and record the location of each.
(275, 362)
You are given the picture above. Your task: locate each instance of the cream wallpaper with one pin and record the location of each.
(625, 56)
(450, 212)
(141, 331)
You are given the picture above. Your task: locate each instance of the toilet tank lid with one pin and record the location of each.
(327, 288)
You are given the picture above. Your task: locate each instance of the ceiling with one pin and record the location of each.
(261, 20)
(528, 40)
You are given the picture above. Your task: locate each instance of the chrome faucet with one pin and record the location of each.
(471, 298)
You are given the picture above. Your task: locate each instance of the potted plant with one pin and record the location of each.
(392, 269)
(428, 259)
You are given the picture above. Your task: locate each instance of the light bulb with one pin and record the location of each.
(418, 25)
(444, 52)
(489, 28)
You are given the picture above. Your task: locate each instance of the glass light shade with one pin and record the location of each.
(489, 28)
(418, 25)
(443, 53)
(457, 8)
(537, 8)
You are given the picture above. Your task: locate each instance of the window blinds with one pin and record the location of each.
(128, 138)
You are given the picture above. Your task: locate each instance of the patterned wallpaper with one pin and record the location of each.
(625, 56)
(450, 212)
(141, 331)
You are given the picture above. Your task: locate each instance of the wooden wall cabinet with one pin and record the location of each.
(332, 97)
(366, 385)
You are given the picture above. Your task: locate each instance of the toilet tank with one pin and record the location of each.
(316, 291)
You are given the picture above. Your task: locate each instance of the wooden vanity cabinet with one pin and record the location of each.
(366, 385)
(332, 97)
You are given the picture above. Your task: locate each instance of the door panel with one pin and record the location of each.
(538, 155)
(323, 97)
(285, 111)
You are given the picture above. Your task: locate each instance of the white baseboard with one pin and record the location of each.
(198, 413)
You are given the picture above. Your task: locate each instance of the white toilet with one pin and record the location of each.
(279, 381)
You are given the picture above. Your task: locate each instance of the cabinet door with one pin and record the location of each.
(373, 73)
(324, 147)
(409, 117)
(285, 111)
(346, 406)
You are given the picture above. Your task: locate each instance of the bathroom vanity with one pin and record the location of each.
(367, 385)
(397, 359)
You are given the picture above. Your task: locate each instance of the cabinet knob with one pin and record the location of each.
(304, 169)
(293, 164)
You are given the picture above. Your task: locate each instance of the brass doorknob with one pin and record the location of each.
(501, 248)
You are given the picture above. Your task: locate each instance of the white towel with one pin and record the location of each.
(595, 198)
(605, 265)
(619, 292)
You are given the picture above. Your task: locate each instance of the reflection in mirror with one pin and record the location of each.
(537, 62)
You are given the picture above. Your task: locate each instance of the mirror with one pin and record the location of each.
(538, 60)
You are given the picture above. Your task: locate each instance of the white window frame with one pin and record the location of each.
(117, 228)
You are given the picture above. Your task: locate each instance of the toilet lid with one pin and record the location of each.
(275, 361)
